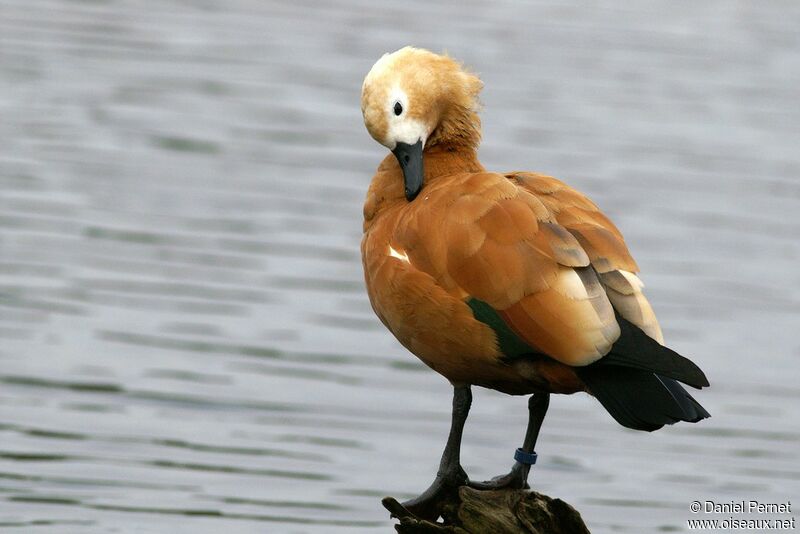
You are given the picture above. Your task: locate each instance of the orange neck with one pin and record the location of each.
(438, 161)
(443, 160)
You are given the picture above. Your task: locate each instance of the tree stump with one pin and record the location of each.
(471, 511)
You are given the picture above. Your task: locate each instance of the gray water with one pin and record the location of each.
(185, 340)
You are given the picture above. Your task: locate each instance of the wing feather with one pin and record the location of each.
(572, 322)
(603, 243)
(624, 290)
(507, 249)
(531, 248)
(598, 236)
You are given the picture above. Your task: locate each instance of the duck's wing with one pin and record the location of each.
(504, 250)
(602, 242)
(537, 254)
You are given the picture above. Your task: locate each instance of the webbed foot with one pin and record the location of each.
(517, 478)
(428, 504)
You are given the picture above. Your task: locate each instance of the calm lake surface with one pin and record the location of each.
(185, 340)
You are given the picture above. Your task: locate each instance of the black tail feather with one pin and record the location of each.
(636, 349)
(641, 400)
(692, 410)
(637, 382)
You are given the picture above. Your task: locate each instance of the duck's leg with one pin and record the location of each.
(450, 475)
(518, 477)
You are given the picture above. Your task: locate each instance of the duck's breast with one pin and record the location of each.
(404, 256)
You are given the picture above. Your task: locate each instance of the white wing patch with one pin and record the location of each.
(402, 256)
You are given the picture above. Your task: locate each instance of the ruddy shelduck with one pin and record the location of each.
(514, 282)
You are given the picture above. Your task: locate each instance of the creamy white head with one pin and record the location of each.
(412, 99)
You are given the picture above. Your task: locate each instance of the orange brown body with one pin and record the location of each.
(504, 239)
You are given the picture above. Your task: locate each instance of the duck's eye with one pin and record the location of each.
(398, 108)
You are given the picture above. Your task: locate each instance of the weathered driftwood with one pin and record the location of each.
(471, 511)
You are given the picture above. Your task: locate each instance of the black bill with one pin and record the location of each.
(410, 159)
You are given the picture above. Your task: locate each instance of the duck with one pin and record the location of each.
(511, 281)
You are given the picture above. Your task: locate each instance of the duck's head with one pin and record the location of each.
(412, 99)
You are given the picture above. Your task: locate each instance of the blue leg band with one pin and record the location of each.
(523, 457)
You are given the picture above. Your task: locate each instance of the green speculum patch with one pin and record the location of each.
(511, 345)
